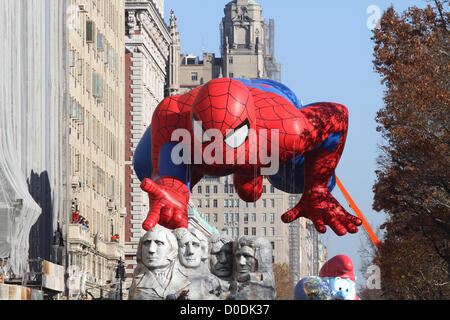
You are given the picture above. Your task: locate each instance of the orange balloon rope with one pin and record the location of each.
(352, 204)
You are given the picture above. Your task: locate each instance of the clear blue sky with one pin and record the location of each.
(326, 54)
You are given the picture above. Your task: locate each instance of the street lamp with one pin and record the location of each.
(120, 274)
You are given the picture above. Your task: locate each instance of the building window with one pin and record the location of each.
(253, 217)
(77, 163)
(194, 76)
(230, 60)
(199, 189)
(199, 203)
(272, 231)
(231, 188)
(264, 203)
(112, 58)
(236, 217)
(272, 218)
(245, 231)
(272, 189)
(105, 54)
(215, 189)
(99, 41)
(264, 217)
(246, 204)
(225, 203)
(231, 203)
(226, 218)
(264, 189)
(264, 231)
(215, 217)
(207, 203)
(272, 203)
(225, 188)
(273, 245)
(245, 217)
(236, 203)
(254, 231)
(96, 85)
(215, 203)
(207, 189)
(207, 217)
(90, 30)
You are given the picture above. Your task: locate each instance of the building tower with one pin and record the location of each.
(272, 67)
(243, 40)
(173, 80)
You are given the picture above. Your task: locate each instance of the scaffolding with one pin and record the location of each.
(294, 243)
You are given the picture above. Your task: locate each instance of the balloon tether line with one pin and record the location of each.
(355, 209)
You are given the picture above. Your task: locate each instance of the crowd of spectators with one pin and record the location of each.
(78, 219)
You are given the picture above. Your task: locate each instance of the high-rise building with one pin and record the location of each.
(247, 49)
(147, 41)
(243, 40)
(96, 99)
(220, 206)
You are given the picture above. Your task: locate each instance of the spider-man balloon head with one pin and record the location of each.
(226, 107)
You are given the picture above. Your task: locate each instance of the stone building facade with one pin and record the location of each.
(147, 41)
(96, 99)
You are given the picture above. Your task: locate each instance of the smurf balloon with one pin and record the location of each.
(338, 273)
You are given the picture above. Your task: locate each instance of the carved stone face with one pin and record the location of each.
(157, 252)
(245, 261)
(221, 260)
(190, 251)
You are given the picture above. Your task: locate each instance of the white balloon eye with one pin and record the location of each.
(238, 136)
(341, 285)
(199, 132)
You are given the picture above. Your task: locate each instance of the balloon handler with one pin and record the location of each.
(251, 129)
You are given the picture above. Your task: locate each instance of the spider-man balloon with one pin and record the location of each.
(221, 116)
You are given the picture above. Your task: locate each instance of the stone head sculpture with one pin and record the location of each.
(192, 247)
(221, 259)
(157, 248)
(252, 255)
